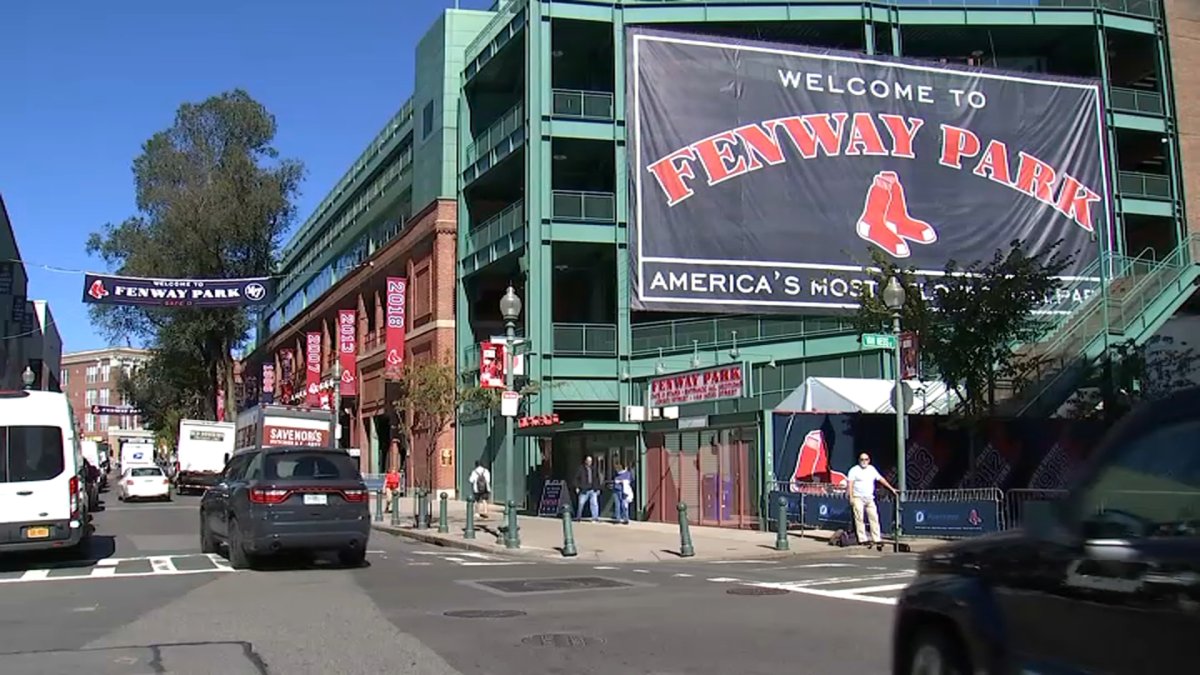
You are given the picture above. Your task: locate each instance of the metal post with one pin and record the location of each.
(416, 507)
(568, 549)
(423, 509)
(511, 538)
(781, 540)
(901, 446)
(395, 509)
(685, 535)
(379, 506)
(337, 399)
(443, 523)
(469, 530)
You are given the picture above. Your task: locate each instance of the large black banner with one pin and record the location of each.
(107, 289)
(762, 175)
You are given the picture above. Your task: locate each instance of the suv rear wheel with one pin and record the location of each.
(936, 652)
(352, 557)
(208, 544)
(238, 558)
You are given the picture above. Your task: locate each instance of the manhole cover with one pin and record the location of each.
(485, 613)
(556, 585)
(755, 590)
(560, 640)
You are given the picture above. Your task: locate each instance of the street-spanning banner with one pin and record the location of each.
(107, 289)
(268, 384)
(115, 410)
(312, 370)
(396, 322)
(763, 175)
(348, 350)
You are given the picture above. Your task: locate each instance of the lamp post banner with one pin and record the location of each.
(396, 319)
(312, 369)
(764, 176)
(348, 351)
(108, 289)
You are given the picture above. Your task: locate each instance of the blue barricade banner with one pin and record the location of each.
(950, 519)
(834, 513)
(793, 505)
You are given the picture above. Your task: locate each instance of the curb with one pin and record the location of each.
(461, 544)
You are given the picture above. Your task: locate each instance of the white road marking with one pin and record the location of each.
(162, 564)
(491, 564)
(725, 580)
(682, 576)
(821, 566)
(604, 567)
(104, 572)
(107, 569)
(743, 562)
(887, 588)
(863, 555)
(839, 595)
(34, 575)
(642, 571)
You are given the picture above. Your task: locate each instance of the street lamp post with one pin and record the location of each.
(893, 299)
(510, 310)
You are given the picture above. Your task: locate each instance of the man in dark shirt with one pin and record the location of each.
(588, 483)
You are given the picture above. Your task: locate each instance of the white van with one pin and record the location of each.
(43, 498)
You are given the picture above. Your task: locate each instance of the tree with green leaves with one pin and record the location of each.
(214, 200)
(971, 320)
(428, 398)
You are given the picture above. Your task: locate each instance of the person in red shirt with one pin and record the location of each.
(391, 485)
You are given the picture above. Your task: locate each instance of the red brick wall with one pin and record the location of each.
(1183, 31)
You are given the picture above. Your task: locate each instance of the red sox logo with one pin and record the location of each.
(885, 220)
(97, 290)
(812, 463)
(974, 519)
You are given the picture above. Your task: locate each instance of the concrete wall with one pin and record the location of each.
(1183, 34)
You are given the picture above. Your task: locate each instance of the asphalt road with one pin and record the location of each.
(146, 601)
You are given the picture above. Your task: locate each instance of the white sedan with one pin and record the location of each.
(144, 482)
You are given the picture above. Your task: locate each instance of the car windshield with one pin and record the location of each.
(30, 454)
(309, 466)
(145, 473)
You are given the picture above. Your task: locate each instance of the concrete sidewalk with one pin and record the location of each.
(598, 542)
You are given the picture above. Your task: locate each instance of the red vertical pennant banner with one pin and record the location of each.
(397, 311)
(347, 348)
(220, 404)
(910, 356)
(312, 361)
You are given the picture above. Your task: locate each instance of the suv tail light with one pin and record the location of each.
(355, 496)
(73, 485)
(261, 496)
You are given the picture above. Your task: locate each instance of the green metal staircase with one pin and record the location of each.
(1142, 294)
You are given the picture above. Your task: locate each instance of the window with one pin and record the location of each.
(1148, 488)
(103, 422)
(66, 373)
(89, 422)
(422, 292)
(310, 466)
(30, 454)
(427, 120)
(105, 372)
(146, 472)
(90, 396)
(91, 374)
(104, 396)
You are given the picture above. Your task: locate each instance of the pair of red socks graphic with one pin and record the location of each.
(885, 220)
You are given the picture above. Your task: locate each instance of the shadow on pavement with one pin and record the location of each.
(95, 549)
(300, 562)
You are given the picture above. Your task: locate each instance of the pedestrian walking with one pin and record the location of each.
(622, 493)
(861, 480)
(480, 481)
(391, 485)
(587, 483)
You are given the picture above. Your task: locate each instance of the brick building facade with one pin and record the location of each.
(1183, 36)
(92, 378)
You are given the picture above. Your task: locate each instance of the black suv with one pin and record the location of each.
(272, 500)
(1105, 581)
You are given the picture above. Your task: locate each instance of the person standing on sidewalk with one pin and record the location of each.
(480, 481)
(622, 493)
(860, 486)
(391, 485)
(587, 482)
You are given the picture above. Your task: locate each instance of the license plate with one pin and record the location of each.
(37, 533)
(315, 500)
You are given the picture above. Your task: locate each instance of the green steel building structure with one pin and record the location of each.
(543, 206)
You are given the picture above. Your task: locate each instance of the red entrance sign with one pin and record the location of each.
(698, 386)
(538, 421)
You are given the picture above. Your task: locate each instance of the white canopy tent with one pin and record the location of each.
(849, 395)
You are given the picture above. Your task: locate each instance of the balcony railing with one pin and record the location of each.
(1138, 7)
(1136, 101)
(588, 105)
(680, 335)
(499, 225)
(589, 207)
(1143, 185)
(585, 339)
(501, 129)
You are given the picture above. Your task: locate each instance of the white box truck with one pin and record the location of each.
(201, 453)
(285, 426)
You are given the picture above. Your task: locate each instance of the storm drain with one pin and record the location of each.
(561, 640)
(484, 613)
(755, 590)
(555, 585)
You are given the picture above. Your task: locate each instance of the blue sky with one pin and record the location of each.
(83, 84)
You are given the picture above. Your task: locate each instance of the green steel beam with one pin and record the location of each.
(1157, 125)
(1146, 207)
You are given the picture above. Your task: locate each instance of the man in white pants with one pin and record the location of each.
(860, 486)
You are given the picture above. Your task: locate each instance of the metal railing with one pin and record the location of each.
(585, 339)
(506, 12)
(501, 129)
(1018, 503)
(679, 335)
(1146, 8)
(590, 207)
(1136, 100)
(503, 223)
(588, 105)
(1144, 185)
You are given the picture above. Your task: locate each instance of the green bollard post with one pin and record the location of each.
(417, 507)
(395, 509)
(781, 540)
(568, 549)
(469, 530)
(423, 519)
(512, 533)
(685, 535)
(379, 506)
(443, 523)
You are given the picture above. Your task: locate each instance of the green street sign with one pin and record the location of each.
(878, 341)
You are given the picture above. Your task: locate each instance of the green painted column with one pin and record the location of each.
(1118, 245)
